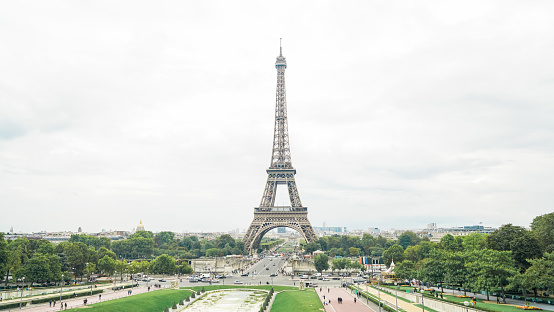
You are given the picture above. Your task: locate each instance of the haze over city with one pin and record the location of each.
(400, 114)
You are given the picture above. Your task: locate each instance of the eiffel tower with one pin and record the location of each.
(268, 216)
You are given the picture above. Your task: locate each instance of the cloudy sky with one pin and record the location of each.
(400, 113)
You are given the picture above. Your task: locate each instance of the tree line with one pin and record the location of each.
(41, 261)
(511, 258)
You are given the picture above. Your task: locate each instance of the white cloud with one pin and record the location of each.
(400, 114)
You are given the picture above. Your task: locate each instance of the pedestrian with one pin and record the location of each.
(441, 296)
(354, 299)
(50, 302)
(497, 299)
(319, 289)
(323, 297)
(66, 305)
(327, 290)
(54, 303)
(74, 295)
(329, 301)
(100, 297)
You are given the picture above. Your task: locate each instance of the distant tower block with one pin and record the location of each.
(79, 230)
(268, 216)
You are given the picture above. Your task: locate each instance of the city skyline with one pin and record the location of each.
(399, 115)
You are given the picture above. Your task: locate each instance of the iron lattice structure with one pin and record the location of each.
(268, 216)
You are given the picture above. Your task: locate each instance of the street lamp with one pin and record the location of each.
(396, 294)
(422, 304)
(23, 283)
(61, 285)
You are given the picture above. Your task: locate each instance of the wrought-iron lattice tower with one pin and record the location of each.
(268, 216)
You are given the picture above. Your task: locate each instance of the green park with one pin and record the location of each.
(510, 267)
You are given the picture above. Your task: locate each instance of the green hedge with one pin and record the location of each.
(66, 296)
(12, 305)
(118, 287)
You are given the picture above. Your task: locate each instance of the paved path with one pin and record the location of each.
(409, 307)
(347, 304)
(78, 302)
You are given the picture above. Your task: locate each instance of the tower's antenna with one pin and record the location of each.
(280, 47)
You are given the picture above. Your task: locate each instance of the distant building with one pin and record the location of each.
(330, 230)
(140, 227)
(79, 230)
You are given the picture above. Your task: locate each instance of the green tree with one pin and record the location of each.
(408, 238)
(431, 269)
(489, 269)
(321, 263)
(311, 247)
(121, 267)
(524, 248)
(164, 238)
(77, 257)
(103, 251)
(213, 252)
(163, 264)
(90, 269)
(405, 270)
(340, 264)
(185, 269)
(455, 271)
(41, 268)
(107, 265)
(542, 228)
(474, 241)
(354, 251)
(395, 252)
(3, 255)
(449, 243)
(518, 240)
(540, 275)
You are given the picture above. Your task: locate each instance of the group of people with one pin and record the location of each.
(63, 306)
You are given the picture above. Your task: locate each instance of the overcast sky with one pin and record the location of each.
(401, 113)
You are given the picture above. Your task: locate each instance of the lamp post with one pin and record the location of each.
(396, 294)
(422, 304)
(379, 291)
(61, 285)
(23, 283)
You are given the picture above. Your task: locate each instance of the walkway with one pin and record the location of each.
(409, 307)
(78, 302)
(347, 304)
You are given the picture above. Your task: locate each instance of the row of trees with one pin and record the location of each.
(41, 261)
(510, 258)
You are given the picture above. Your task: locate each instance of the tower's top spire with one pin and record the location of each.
(281, 60)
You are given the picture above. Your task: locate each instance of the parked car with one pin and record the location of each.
(238, 282)
(244, 274)
(273, 274)
(162, 280)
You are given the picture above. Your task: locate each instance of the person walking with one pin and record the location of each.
(354, 299)
(50, 302)
(100, 296)
(66, 305)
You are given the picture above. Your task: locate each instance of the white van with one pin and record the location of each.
(205, 275)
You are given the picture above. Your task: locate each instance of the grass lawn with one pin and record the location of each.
(492, 306)
(305, 301)
(264, 287)
(147, 302)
